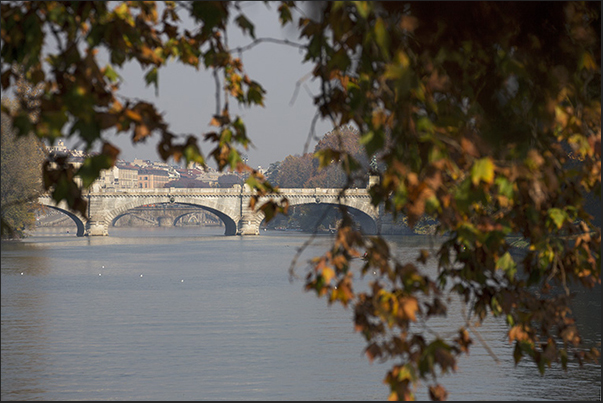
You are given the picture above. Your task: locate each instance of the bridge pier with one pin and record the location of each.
(96, 228)
(248, 226)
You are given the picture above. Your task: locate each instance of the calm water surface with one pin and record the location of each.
(188, 314)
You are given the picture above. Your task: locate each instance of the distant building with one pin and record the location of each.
(59, 148)
(141, 163)
(149, 178)
(122, 176)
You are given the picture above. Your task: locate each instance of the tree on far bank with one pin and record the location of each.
(186, 183)
(469, 112)
(22, 158)
(294, 171)
(304, 171)
(229, 180)
(272, 172)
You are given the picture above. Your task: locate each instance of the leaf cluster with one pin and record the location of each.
(475, 111)
(76, 96)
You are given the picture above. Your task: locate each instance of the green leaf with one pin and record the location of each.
(373, 141)
(211, 13)
(234, 158)
(432, 205)
(425, 125)
(241, 132)
(558, 216)
(245, 25)
(517, 353)
(339, 61)
(255, 94)
(482, 170)
(151, 78)
(507, 264)
(91, 168)
(89, 131)
(382, 37)
(192, 154)
(22, 123)
(326, 156)
(563, 354)
(505, 187)
(363, 8)
(284, 14)
(111, 74)
(270, 210)
(225, 136)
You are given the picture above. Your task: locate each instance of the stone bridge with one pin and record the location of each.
(231, 205)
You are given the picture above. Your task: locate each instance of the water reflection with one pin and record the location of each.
(24, 321)
(188, 314)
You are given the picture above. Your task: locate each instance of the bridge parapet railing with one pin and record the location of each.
(170, 191)
(233, 191)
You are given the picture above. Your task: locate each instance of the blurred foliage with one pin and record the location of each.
(471, 111)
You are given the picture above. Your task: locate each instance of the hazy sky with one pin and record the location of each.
(187, 97)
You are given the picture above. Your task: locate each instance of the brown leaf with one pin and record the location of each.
(518, 333)
(409, 23)
(409, 306)
(438, 393)
(131, 114)
(423, 256)
(469, 148)
(140, 132)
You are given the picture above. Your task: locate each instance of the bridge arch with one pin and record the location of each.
(367, 222)
(181, 217)
(121, 210)
(130, 213)
(229, 223)
(79, 222)
(358, 203)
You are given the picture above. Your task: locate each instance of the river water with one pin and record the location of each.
(189, 314)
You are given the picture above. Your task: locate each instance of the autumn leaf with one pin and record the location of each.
(482, 170)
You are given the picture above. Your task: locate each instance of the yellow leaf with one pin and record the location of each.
(328, 274)
(561, 116)
(482, 170)
(588, 62)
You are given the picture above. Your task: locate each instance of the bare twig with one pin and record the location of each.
(257, 41)
(217, 81)
(302, 248)
(478, 335)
